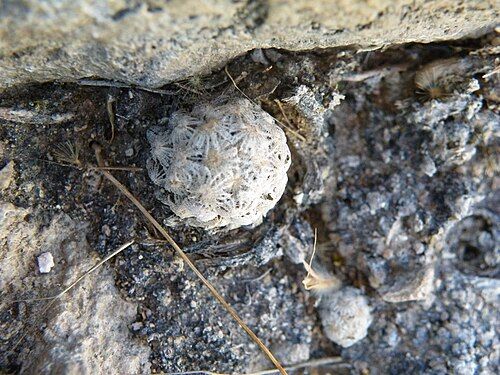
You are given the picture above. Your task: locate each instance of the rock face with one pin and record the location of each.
(393, 160)
(154, 42)
(413, 210)
(86, 330)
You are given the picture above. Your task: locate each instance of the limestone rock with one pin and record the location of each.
(418, 287)
(84, 328)
(152, 43)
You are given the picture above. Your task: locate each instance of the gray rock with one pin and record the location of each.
(81, 332)
(418, 286)
(153, 43)
(6, 175)
(45, 262)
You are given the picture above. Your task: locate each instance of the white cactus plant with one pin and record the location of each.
(224, 164)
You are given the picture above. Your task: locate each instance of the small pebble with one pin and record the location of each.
(129, 152)
(299, 198)
(137, 326)
(45, 262)
(6, 175)
(106, 230)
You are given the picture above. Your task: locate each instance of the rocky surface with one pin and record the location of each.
(85, 331)
(393, 162)
(412, 179)
(153, 42)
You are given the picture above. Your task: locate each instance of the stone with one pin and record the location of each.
(418, 286)
(154, 43)
(129, 152)
(84, 328)
(45, 262)
(6, 175)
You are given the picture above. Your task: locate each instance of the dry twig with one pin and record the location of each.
(289, 127)
(253, 101)
(187, 88)
(104, 83)
(332, 361)
(186, 259)
(111, 114)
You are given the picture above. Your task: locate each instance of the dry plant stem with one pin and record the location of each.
(188, 261)
(187, 88)
(60, 164)
(317, 281)
(289, 127)
(103, 83)
(114, 168)
(309, 365)
(253, 101)
(493, 72)
(236, 86)
(336, 361)
(129, 169)
(111, 114)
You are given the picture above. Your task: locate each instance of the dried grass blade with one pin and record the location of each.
(188, 261)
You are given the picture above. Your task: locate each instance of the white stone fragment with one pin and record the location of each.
(45, 262)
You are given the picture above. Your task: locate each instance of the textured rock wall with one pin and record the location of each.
(86, 330)
(153, 42)
(404, 178)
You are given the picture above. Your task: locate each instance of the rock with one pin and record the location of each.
(418, 286)
(136, 326)
(6, 175)
(295, 241)
(45, 262)
(34, 116)
(84, 328)
(129, 152)
(293, 354)
(310, 105)
(414, 209)
(153, 43)
(14, 239)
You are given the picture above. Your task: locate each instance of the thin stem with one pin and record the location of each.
(187, 260)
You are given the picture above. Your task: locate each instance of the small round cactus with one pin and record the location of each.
(223, 164)
(346, 316)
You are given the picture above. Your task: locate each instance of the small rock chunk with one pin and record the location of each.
(45, 262)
